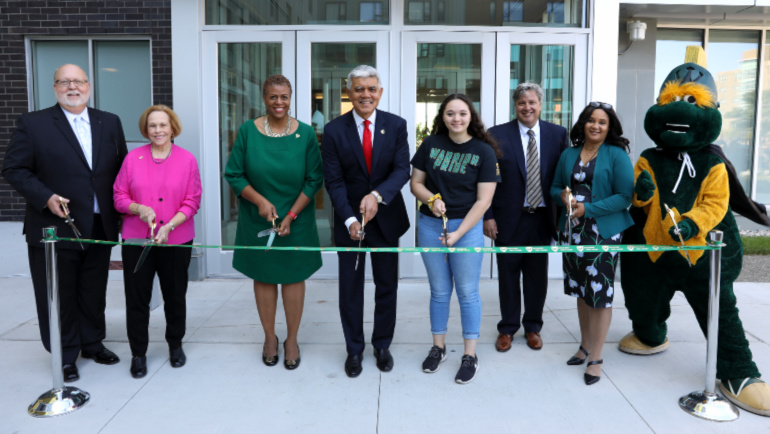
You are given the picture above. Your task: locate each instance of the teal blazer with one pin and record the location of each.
(612, 187)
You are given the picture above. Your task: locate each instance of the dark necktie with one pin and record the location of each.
(368, 145)
(534, 190)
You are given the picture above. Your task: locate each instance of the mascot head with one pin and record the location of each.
(686, 116)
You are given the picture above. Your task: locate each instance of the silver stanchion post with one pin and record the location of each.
(708, 404)
(61, 399)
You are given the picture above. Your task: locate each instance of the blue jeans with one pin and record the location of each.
(462, 269)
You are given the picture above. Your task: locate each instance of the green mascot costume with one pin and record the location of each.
(694, 179)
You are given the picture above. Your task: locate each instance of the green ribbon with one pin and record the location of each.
(507, 249)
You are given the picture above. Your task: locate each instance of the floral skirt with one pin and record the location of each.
(590, 276)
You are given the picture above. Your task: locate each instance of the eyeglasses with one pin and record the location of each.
(598, 104)
(66, 83)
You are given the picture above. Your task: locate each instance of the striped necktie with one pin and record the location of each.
(534, 189)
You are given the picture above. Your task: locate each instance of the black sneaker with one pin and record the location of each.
(468, 369)
(434, 359)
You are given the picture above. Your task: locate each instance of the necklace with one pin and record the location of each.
(161, 160)
(269, 131)
(591, 157)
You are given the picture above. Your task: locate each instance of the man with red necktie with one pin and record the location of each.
(366, 164)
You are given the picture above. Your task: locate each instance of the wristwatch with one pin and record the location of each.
(376, 196)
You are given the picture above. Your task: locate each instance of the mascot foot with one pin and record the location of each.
(632, 345)
(750, 394)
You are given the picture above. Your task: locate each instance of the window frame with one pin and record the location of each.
(28, 49)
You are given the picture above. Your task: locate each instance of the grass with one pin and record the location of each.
(756, 245)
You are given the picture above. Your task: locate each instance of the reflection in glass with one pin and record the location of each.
(559, 13)
(296, 12)
(330, 65)
(242, 69)
(551, 66)
(732, 57)
(763, 165)
(670, 49)
(115, 64)
(444, 69)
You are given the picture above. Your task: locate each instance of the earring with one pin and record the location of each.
(289, 112)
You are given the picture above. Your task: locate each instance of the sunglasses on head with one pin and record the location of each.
(602, 105)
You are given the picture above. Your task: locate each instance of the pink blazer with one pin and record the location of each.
(169, 187)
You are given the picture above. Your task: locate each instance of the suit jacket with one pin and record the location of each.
(611, 189)
(509, 195)
(347, 179)
(44, 158)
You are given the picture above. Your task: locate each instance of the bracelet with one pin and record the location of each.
(433, 199)
(172, 225)
(293, 216)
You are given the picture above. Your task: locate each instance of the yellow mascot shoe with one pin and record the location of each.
(750, 394)
(632, 345)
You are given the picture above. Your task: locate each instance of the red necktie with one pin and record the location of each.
(368, 145)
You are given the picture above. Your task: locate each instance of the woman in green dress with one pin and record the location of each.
(275, 170)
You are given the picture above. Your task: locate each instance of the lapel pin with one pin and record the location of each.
(296, 135)
(382, 131)
(141, 156)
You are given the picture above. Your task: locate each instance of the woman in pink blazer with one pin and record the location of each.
(159, 187)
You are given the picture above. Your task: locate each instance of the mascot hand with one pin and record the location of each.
(687, 229)
(644, 187)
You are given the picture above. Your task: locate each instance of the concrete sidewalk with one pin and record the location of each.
(225, 387)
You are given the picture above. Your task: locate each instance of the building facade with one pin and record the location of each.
(223, 49)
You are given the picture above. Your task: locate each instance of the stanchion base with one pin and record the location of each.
(709, 406)
(58, 402)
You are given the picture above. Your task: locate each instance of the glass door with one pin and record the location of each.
(235, 65)
(322, 97)
(558, 62)
(437, 64)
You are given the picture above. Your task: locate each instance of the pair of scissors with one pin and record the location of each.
(361, 234)
(444, 220)
(70, 221)
(271, 232)
(571, 220)
(147, 246)
(676, 231)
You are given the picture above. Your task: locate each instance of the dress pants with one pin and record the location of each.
(82, 294)
(532, 230)
(351, 292)
(171, 264)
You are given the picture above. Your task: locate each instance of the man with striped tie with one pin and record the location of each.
(522, 213)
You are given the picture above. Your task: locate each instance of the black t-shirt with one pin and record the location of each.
(454, 170)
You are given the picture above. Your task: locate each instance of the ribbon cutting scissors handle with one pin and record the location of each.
(146, 250)
(272, 234)
(361, 234)
(570, 216)
(70, 221)
(677, 232)
(443, 223)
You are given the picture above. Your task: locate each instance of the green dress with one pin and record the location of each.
(278, 168)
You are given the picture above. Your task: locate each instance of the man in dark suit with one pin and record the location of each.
(70, 154)
(523, 214)
(366, 163)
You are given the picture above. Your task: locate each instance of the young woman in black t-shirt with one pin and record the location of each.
(454, 176)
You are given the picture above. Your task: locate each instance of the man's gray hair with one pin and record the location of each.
(363, 71)
(525, 87)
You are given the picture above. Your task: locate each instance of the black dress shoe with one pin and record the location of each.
(103, 356)
(384, 359)
(353, 365)
(138, 366)
(592, 379)
(290, 364)
(177, 357)
(70, 371)
(270, 360)
(573, 361)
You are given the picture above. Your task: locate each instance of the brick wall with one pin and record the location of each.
(19, 19)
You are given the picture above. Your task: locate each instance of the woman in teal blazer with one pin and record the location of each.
(595, 179)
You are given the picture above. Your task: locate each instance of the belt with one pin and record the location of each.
(532, 209)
